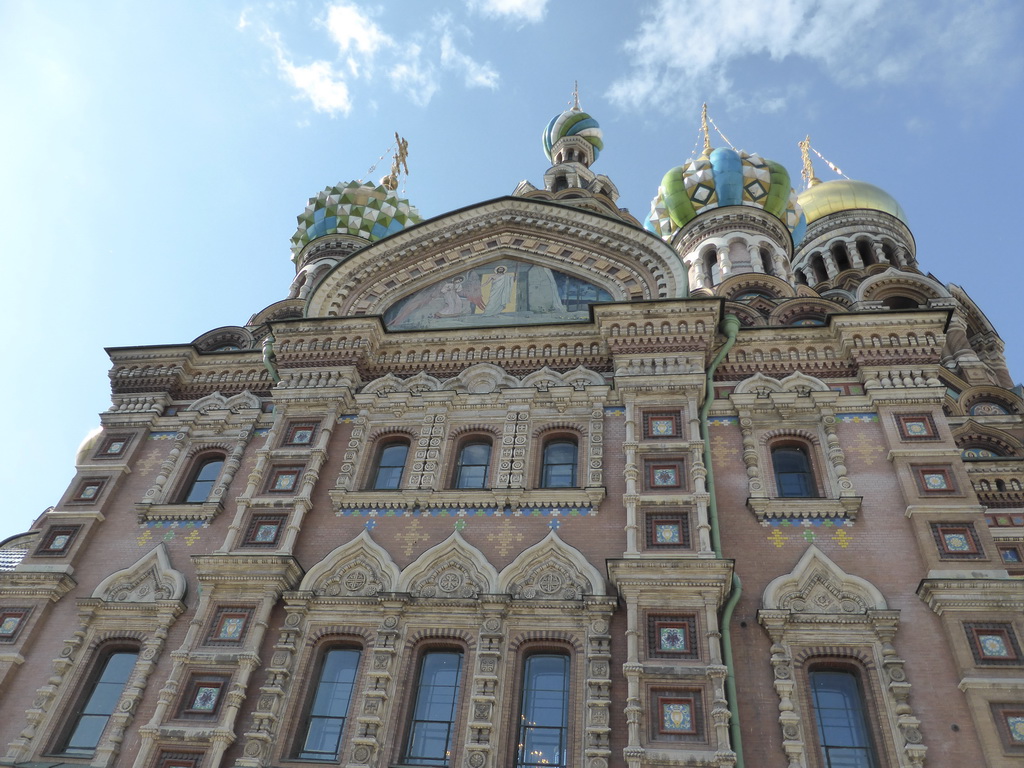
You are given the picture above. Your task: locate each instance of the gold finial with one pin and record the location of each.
(398, 164)
(576, 95)
(808, 170)
(704, 128)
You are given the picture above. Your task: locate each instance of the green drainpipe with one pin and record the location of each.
(731, 327)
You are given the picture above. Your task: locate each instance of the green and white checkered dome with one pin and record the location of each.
(353, 208)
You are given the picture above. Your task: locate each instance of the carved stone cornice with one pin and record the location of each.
(36, 584)
(972, 594)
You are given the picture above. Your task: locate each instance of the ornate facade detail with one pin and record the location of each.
(550, 570)
(360, 568)
(819, 612)
(451, 570)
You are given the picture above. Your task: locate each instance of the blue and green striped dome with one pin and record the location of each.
(355, 208)
(723, 177)
(572, 122)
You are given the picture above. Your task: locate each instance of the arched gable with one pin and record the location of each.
(550, 570)
(359, 568)
(150, 578)
(623, 261)
(818, 585)
(453, 569)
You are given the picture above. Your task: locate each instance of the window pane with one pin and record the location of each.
(793, 472)
(559, 465)
(202, 485)
(326, 719)
(437, 695)
(474, 461)
(545, 710)
(842, 727)
(390, 466)
(100, 703)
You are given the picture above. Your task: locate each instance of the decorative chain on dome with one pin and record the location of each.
(807, 172)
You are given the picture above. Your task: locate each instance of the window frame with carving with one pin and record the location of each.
(300, 749)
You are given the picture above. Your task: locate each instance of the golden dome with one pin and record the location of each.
(847, 195)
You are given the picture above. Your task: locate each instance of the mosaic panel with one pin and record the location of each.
(672, 636)
(57, 540)
(668, 530)
(663, 425)
(993, 644)
(12, 620)
(580, 511)
(957, 541)
(857, 418)
(916, 426)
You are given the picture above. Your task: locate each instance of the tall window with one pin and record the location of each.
(793, 476)
(325, 721)
(433, 714)
(99, 704)
(472, 467)
(559, 470)
(390, 465)
(544, 712)
(203, 479)
(842, 725)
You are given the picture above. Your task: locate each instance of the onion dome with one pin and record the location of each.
(721, 177)
(356, 208)
(821, 199)
(572, 122)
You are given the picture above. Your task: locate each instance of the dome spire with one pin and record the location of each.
(704, 128)
(576, 96)
(399, 164)
(807, 172)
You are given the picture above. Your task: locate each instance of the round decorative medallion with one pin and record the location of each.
(149, 654)
(450, 581)
(492, 625)
(790, 732)
(390, 622)
(279, 659)
(355, 580)
(293, 620)
(476, 759)
(361, 754)
(599, 627)
(253, 748)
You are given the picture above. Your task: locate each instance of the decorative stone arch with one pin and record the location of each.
(279, 310)
(794, 382)
(150, 578)
(581, 377)
(793, 310)
(972, 434)
(896, 282)
(1002, 398)
(138, 604)
(816, 585)
(383, 385)
(736, 285)
(805, 612)
(359, 568)
(453, 569)
(629, 263)
(481, 378)
(550, 570)
(228, 335)
(217, 402)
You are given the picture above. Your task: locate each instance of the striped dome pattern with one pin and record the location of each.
(355, 208)
(724, 177)
(572, 122)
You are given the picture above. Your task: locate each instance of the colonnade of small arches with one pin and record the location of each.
(844, 254)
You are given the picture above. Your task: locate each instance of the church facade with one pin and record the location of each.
(535, 483)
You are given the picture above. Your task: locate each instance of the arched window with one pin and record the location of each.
(433, 714)
(98, 704)
(840, 715)
(473, 464)
(559, 464)
(387, 474)
(544, 712)
(328, 708)
(204, 477)
(793, 475)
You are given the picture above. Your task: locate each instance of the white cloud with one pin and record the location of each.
(351, 30)
(415, 77)
(518, 10)
(361, 44)
(475, 74)
(685, 51)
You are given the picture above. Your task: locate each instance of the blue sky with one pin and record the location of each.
(154, 156)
